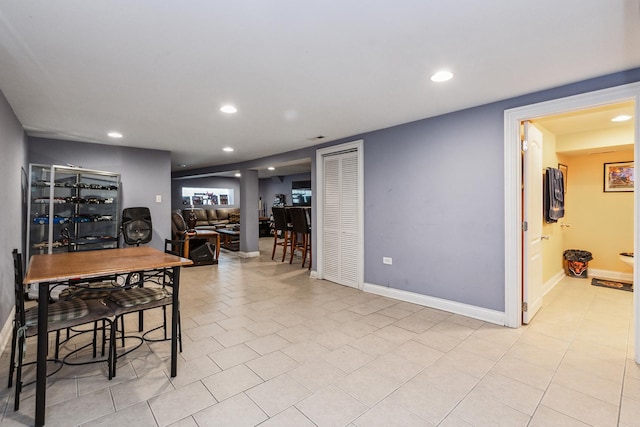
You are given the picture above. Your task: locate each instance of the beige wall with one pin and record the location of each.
(601, 223)
(553, 247)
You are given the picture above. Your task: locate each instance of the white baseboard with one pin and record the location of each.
(249, 254)
(479, 313)
(313, 274)
(551, 283)
(610, 275)
(535, 305)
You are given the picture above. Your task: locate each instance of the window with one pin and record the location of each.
(207, 196)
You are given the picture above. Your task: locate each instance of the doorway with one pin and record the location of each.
(513, 185)
(340, 205)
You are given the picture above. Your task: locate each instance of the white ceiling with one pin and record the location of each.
(589, 120)
(159, 71)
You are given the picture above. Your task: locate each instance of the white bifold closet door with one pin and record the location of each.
(341, 220)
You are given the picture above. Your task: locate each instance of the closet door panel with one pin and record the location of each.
(340, 212)
(331, 202)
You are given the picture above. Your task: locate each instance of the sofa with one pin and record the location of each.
(206, 219)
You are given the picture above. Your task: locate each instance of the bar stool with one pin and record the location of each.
(280, 226)
(300, 227)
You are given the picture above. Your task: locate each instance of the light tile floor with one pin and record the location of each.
(266, 345)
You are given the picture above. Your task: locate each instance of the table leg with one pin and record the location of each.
(218, 246)
(185, 248)
(141, 312)
(175, 308)
(41, 361)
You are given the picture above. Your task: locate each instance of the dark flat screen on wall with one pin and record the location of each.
(301, 193)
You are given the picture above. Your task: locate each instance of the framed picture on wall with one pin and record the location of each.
(565, 173)
(618, 177)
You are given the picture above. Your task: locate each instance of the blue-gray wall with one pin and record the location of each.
(434, 198)
(143, 173)
(434, 203)
(269, 187)
(13, 167)
(249, 213)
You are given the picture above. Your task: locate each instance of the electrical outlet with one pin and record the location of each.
(158, 198)
(387, 260)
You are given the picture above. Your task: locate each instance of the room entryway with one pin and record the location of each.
(514, 261)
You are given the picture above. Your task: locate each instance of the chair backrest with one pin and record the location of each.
(299, 220)
(174, 247)
(18, 287)
(178, 225)
(307, 213)
(279, 218)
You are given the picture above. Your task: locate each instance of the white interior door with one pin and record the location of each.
(532, 291)
(341, 221)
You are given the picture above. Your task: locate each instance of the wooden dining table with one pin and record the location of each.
(50, 269)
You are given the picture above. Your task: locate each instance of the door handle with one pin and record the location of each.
(545, 237)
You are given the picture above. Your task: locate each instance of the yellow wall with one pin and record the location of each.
(601, 223)
(553, 248)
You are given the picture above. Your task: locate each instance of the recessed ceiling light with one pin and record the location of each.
(238, 174)
(115, 134)
(442, 76)
(227, 149)
(621, 118)
(183, 165)
(271, 168)
(229, 109)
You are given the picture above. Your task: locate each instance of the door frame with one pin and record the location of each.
(513, 184)
(319, 255)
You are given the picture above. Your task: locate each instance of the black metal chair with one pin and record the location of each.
(61, 315)
(137, 296)
(97, 289)
(87, 289)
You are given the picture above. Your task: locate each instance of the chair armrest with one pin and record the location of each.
(174, 247)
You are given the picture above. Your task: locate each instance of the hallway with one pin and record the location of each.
(266, 345)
